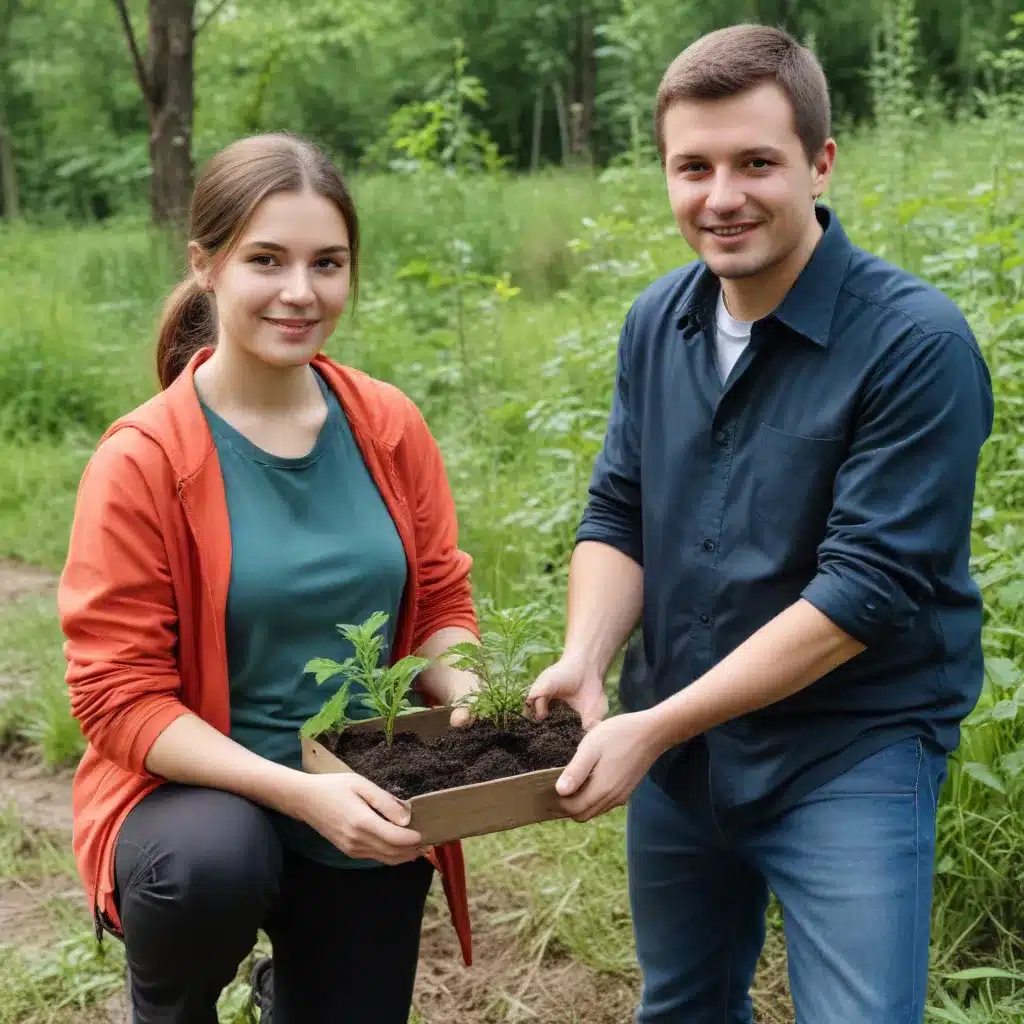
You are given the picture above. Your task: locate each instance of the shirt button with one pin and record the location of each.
(722, 438)
(709, 545)
(706, 619)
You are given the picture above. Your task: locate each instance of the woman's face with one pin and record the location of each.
(280, 292)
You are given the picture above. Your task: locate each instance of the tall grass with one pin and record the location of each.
(517, 386)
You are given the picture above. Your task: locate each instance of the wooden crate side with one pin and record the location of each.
(427, 724)
(318, 760)
(486, 807)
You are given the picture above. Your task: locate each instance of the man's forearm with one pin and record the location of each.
(793, 650)
(604, 605)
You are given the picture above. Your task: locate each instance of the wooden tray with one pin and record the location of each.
(463, 811)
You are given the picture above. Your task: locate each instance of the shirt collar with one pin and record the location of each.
(808, 306)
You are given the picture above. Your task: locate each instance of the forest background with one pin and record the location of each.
(512, 206)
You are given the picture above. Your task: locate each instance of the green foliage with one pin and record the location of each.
(361, 77)
(438, 133)
(34, 707)
(502, 662)
(387, 688)
(639, 39)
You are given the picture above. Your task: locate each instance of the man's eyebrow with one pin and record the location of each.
(775, 154)
(744, 154)
(274, 247)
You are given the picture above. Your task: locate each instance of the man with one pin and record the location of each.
(784, 499)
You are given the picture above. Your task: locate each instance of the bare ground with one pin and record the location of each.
(18, 580)
(508, 981)
(42, 798)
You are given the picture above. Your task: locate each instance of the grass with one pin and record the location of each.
(516, 387)
(34, 713)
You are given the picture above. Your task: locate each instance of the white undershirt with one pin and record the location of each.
(731, 337)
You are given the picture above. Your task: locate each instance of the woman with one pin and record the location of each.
(222, 530)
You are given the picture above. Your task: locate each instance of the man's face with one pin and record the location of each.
(739, 182)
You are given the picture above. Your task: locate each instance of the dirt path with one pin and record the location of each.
(42, 798)
(18, 580)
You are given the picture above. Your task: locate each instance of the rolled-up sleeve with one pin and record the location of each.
(904, 496)
(612, 514)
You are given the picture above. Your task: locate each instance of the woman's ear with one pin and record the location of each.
(201, 266)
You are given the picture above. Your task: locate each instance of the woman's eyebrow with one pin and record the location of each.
(274, 247)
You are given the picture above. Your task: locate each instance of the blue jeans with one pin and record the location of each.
(852, 865)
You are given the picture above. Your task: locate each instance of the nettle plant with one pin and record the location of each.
(502, 663)
(387, 687)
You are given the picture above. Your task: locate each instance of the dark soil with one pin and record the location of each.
(479, 752)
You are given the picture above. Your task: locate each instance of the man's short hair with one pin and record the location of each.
(733, 60)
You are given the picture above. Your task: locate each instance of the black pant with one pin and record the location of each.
(198, 871)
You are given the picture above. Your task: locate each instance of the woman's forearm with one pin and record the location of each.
(443, 682)
(192, 752)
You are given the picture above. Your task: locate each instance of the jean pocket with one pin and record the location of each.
(895, 770)
(794, 478)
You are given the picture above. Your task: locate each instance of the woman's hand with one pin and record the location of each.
(360, 818)
(442, 682)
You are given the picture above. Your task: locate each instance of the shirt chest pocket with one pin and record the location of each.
(794, 478)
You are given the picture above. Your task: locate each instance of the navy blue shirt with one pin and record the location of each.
(837, 464)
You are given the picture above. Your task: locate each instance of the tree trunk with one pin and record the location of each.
(170, 112)
(8, 175)
(563, 120)
(8, 171)
(588, 85)
(538, 120)
(165, 76)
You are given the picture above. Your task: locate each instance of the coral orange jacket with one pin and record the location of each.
(143, 593)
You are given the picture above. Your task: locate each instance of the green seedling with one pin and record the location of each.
(387, 687)
(501, 661)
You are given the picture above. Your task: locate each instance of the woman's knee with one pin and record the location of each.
(197, 853)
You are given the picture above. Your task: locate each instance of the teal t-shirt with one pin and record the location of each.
(313, 545)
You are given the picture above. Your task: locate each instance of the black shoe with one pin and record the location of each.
(262, 982)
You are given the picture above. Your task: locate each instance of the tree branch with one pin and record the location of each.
(140, 67)
(206, 21)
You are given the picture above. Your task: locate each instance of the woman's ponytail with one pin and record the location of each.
(186, 326)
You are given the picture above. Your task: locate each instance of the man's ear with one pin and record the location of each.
(202, 266)
(823, 164)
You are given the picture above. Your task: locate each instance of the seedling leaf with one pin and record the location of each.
(501, 664)
(326, 668)
(386, 689)
(331, 716)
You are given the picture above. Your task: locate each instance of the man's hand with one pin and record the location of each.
(609, 764)
(569, 680)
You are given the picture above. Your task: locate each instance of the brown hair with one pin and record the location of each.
(732, 60)
(234, 183)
